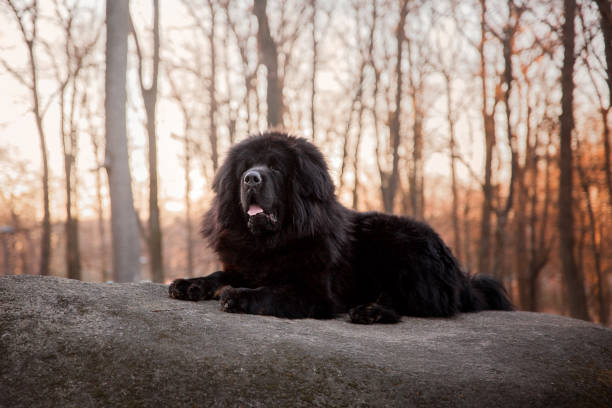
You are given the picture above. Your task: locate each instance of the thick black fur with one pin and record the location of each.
(305, 255)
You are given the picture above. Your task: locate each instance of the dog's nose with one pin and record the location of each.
(252, 178)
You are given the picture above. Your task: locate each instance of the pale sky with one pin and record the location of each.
(18, 131)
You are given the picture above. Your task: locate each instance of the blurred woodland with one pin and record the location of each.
(489, 119)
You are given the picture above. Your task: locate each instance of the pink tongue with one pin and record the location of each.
(254, 209)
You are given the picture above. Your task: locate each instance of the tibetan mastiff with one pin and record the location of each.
(290, 249)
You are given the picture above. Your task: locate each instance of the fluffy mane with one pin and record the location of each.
(310, 206)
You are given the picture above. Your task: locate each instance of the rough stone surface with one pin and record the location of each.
(66, 343)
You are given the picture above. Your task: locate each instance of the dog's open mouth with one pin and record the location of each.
(260, 220)
(255, 211)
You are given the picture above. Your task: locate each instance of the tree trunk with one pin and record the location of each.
(30, 40)
(467, 236)
(416, 172)
(73, 262)
(484, 250)
(188, 224)
(574, 282)
(149, 98)
(313, 79)
(522, 256)
(228, 67)
(69, 146)
(155, 233)
(522, 259)
(356, 100)
(45, 239)
(269, 57)
(101, 227)
(187, 157)
(360, 97)
(102, 252)
(450, 117)
(540, 249)
(602, 304)
(605, 135)
(212, 95)
(499, 247)
(534, 269)
(504, 212)
(392, 179)
(345, 144)
(358, 141)
(125, 234)
(605, 11)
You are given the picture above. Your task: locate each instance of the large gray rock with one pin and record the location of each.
(68, 343)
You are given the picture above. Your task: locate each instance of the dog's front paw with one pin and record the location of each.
(178, 289)
(233, 300)
(373, 313)
(191, 289)
(365, 314)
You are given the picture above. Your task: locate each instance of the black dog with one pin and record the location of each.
(289, 249)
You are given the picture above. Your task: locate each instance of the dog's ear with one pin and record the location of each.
(223, 177)
(314, 200)
(226, 193)
(313, 180)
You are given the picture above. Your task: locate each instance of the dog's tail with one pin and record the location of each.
(485, 293)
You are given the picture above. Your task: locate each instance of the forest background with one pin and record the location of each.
(489, 119)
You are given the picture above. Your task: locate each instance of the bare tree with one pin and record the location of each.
(212, 95)
(467, 253)
(355, 108)
(605, 11)
(231, 108)
(574, 282)
(248, 68)
(531, 216)
(540, 245)
(76, 49)
(416, 86)
(602, 304)
(488, 115)
(124, 223)
(269, 57)
(502, 212)
(315, 63)
(149, 98)
(446, 70)
(95, 139)
(389, 181)
(27, 18)
(209, 35)
(360, 99)
(488, 110)
(187, 156)
(531, 252)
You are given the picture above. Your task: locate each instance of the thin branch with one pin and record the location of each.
(19, 77)
(472, 172)
(138, 51)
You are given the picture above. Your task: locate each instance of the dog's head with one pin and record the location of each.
(270, 184)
